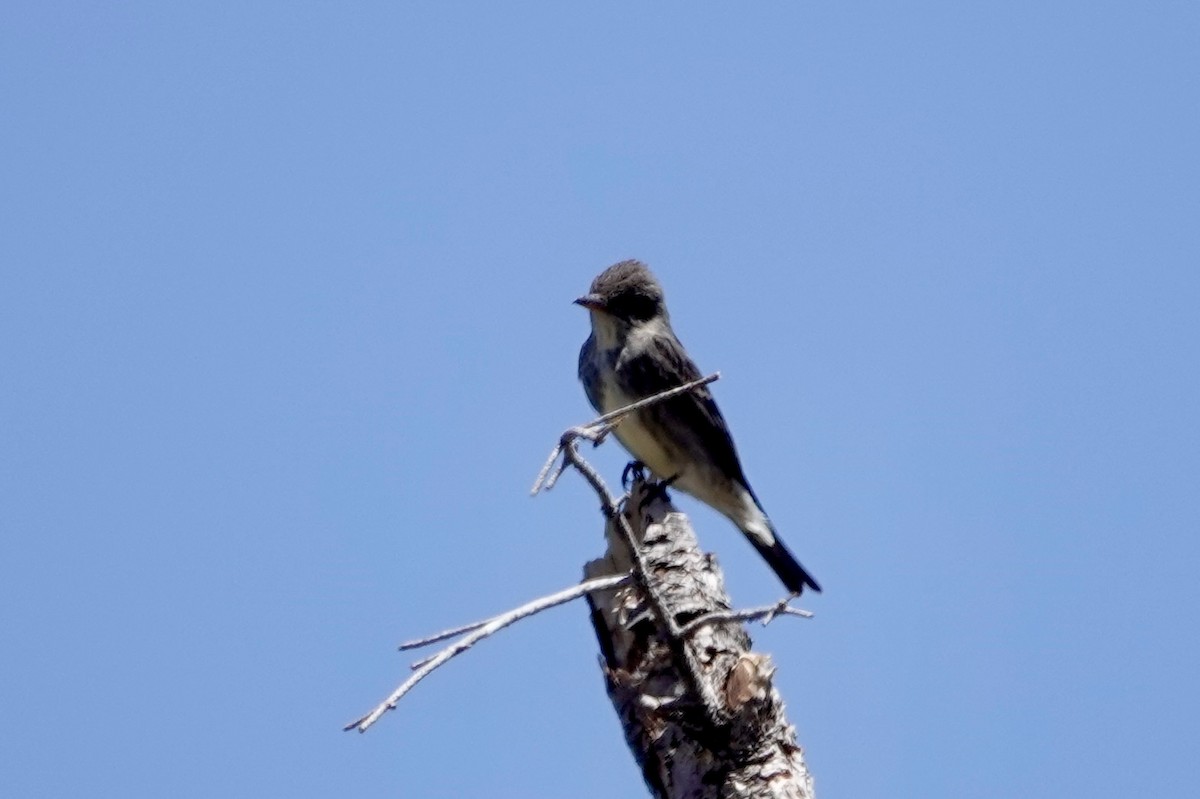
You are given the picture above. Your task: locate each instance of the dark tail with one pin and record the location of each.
(785, 565)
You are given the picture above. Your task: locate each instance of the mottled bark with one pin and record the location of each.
(738, 742)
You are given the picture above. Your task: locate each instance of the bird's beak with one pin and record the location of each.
(592, 302)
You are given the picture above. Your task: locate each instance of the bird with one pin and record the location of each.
(632, 353)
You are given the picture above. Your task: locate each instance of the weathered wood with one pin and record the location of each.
(743, 747)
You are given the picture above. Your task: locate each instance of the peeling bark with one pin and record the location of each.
(686, 747)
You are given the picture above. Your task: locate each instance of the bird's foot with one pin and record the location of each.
(633, 470)
(657, 491)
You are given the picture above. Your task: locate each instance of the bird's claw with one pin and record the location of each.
(657, 491)
(633, 470)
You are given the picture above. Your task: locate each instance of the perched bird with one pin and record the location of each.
(631, 354)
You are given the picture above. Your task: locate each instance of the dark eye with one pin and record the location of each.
(639, 306)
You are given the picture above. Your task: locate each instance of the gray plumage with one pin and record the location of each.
(631, 354)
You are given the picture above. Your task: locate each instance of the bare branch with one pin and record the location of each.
(767, 613)
(665, 395)
(418, 643)
(541, 482)
(595, 431)
(601, 426)
(609, 504)
(689, 667)
(477, 633)
(568, 448)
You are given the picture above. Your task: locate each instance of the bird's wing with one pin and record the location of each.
(589, 374)
(664, 365)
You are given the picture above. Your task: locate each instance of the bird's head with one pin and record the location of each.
(627, 291)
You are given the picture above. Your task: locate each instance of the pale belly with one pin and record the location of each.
(638, 440)
(692, 478)
(645, 447)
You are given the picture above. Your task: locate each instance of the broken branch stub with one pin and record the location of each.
(742, 747)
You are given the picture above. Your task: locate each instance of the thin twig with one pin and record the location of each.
(442, 636)
(609, 503)
(542, 481)
(664, 395)
(767, 613)
(598, 428)
(480, 632)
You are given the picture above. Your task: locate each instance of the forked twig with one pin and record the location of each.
(568, 448)
(601, 426)
(478, 632)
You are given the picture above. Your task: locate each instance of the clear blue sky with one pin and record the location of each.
(285, 334)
